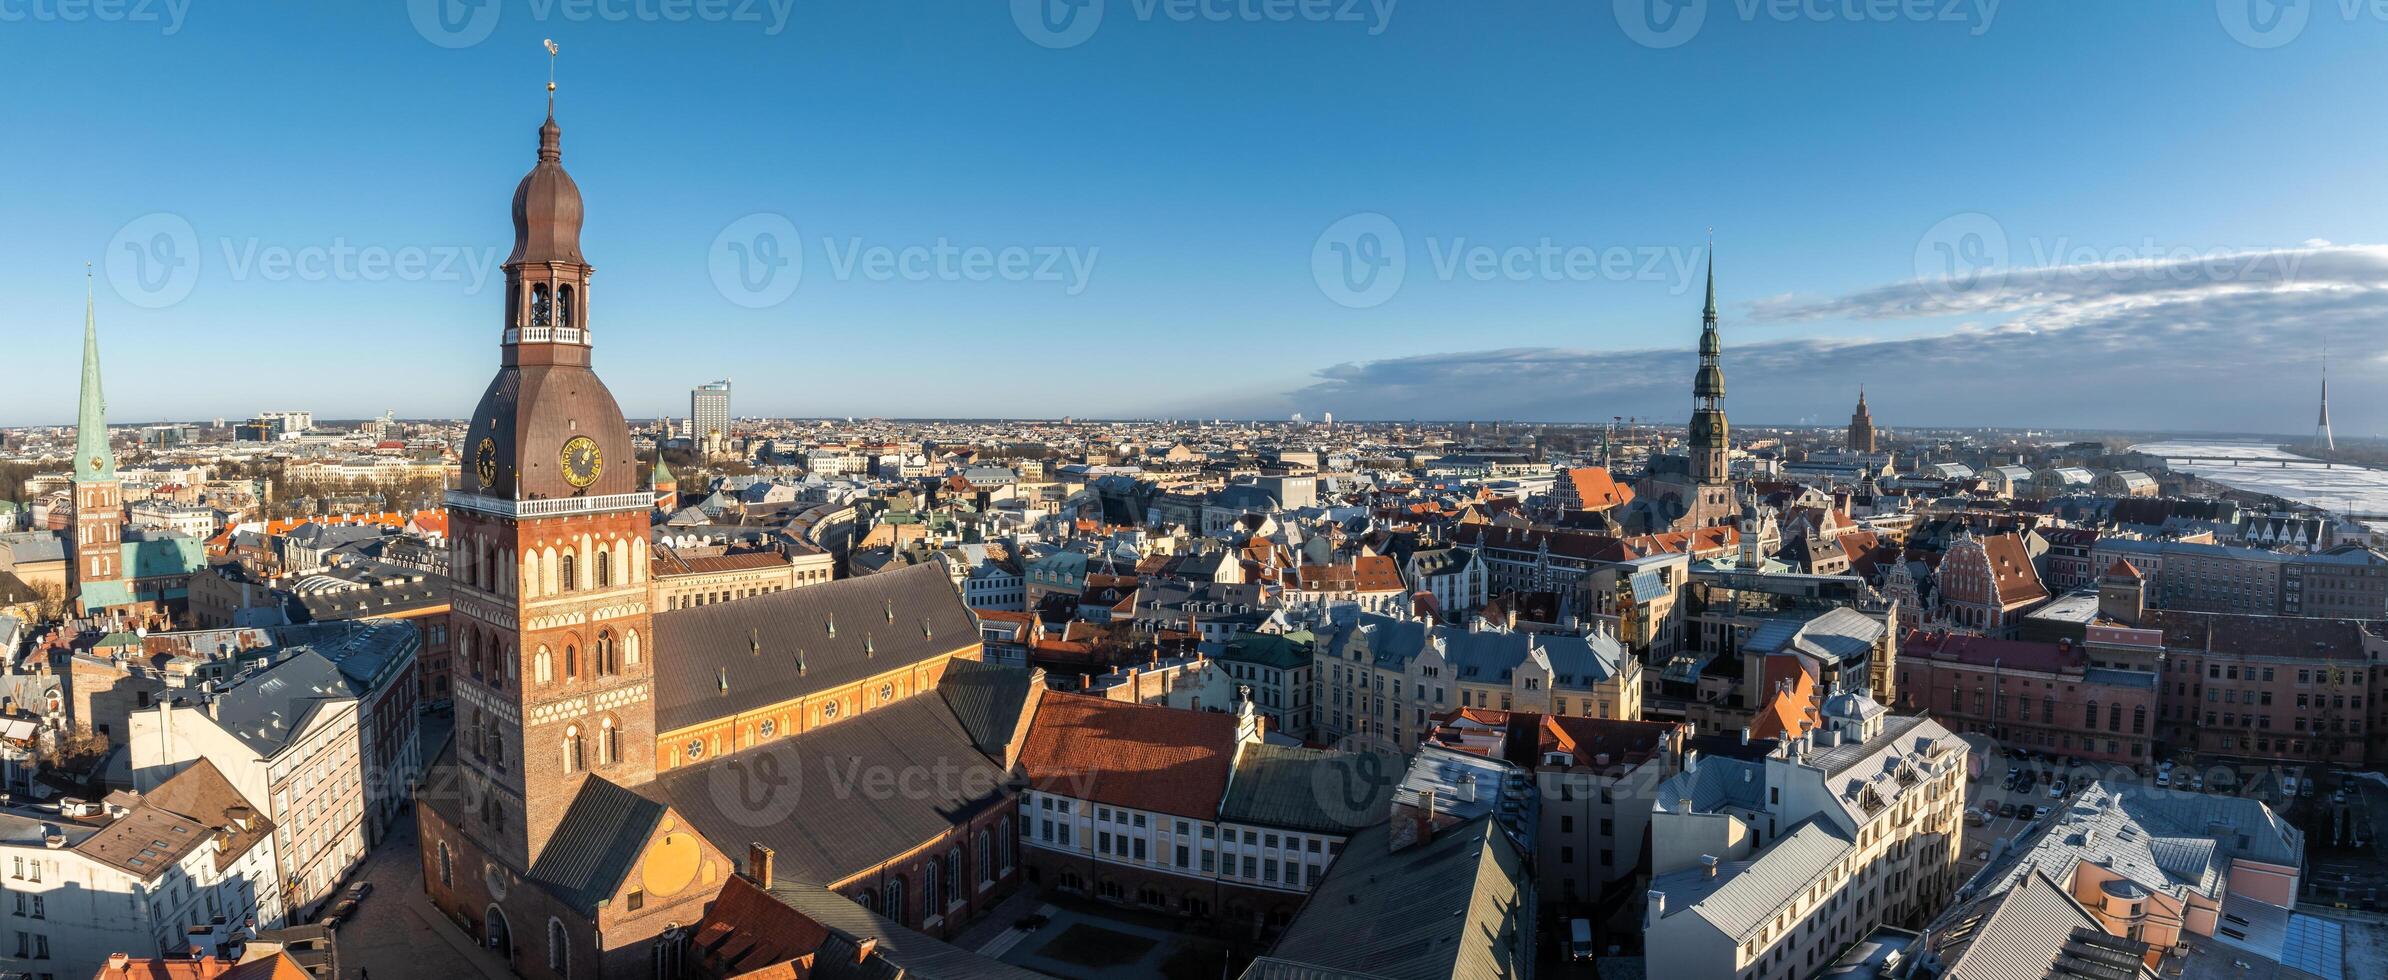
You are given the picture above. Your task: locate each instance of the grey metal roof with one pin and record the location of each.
(602, 833)
(814, 797)
(1743, 894)
(1313, 790)
(2012, 934)
(1446, 908)
(746, 654)
(989, 701)
(267, 708)
(2164, 840)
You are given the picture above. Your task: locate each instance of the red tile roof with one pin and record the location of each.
(749, 935)
(1143, 757)
(1983, 651)
(1595, 489)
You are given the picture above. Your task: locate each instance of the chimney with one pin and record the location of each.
(1745, 735)
(119, 964)
(1467, 787)
(864, 949)
(1657, 909)
(758, 864)
(1683, 805)
(1691, 760)
(1708, 861)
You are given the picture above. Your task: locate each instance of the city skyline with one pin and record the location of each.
(1580, 297)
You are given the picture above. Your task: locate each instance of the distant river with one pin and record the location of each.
(2346, 489)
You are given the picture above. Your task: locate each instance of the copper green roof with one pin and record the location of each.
(94, 463)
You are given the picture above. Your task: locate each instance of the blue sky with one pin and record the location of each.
(1160, 188)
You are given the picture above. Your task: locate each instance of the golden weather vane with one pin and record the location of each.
(551, 72)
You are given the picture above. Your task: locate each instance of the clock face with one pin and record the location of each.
(485, 462)
(582, 462)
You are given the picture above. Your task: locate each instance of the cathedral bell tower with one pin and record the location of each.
(1712, 488)
(549, 535)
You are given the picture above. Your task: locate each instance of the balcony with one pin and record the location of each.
(550, 507)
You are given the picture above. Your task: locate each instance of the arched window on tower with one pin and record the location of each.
(543, 667)
(574, 760)
(609, 743)
(605, 570)
(568, 573)
(630, 649)
(485, 574)
(571, 662)
(541, 313)
(566, 308)
(606, 665)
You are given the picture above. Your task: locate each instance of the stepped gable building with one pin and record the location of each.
(544, 829)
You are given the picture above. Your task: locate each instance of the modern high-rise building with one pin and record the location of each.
(709, 410)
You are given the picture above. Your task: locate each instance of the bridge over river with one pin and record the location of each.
(2346, 488)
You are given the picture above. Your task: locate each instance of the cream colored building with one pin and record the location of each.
(1381, 677)
(1765, 866)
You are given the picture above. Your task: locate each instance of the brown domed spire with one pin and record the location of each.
(547, 206)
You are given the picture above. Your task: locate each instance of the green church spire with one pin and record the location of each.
(94, 462)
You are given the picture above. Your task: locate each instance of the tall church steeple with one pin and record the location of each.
(94, 461)
(99, 502)
(1709, 436)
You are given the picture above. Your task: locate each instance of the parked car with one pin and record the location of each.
(2164, 778)
(2006, 810)
(2056, 790)
(1579, 939)
(2039, 813)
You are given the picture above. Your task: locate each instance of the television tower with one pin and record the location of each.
(2322, 439)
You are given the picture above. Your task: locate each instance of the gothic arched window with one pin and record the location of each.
(543, 667)
(630, 649)
(572, 756)
(606, 665)
(571, 662)
(895, 900)
(605, 570)
(564, 308)
(609, 743)
(559, 949)
(569, 573)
